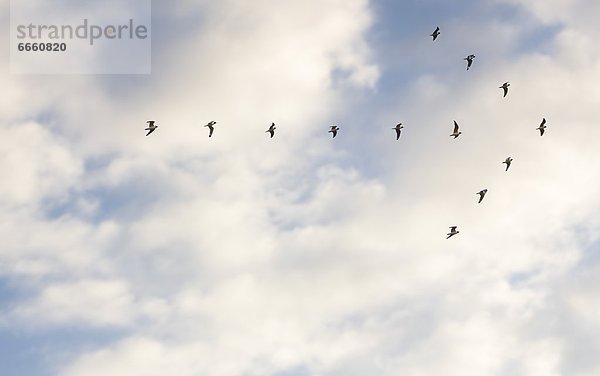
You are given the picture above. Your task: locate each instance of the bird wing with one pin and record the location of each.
(541, 131)
(397, 133)
(505, 90)
(453, 228)
(150, 131)
(211, 130)
(543, 122)
(455, 126)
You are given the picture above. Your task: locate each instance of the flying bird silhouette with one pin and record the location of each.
(508, 161)
(469, 60)
(481, 195)
(435, 33)
(271, 130)
(211, 128)
(505, 88)
(455, 133)
(334, 130)
(452, 232)
(542, 127)
(398, 128)
(151, 127)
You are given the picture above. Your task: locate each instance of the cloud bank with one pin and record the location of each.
(303, 255)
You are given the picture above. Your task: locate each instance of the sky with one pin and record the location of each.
(305, 255)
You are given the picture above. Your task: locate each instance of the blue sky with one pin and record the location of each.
(305, 255)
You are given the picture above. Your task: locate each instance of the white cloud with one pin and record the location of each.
(86, 302)
(36, 165)
(245, 255)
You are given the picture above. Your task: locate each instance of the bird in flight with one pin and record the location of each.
(334, 130)
(456, 133)
(542, 127)
(151, 127)
(398, 128)
(505, 87)
(469, 60)
(211, 128)
(481, 195)
(271, 130)
(508, 161)
(452, 232)
(435, 33)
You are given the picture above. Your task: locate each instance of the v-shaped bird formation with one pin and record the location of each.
(333, 129)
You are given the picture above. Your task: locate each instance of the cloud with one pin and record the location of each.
(37, 165)
(63, 304)
(293, 255)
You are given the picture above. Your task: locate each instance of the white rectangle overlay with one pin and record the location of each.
(80, 37)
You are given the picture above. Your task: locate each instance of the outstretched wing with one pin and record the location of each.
(210, 131)
(543, 122)
(150, 130)
(481, 194)
(505, 90)
(455, 127)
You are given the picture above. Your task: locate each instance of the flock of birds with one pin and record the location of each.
(398, 128)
